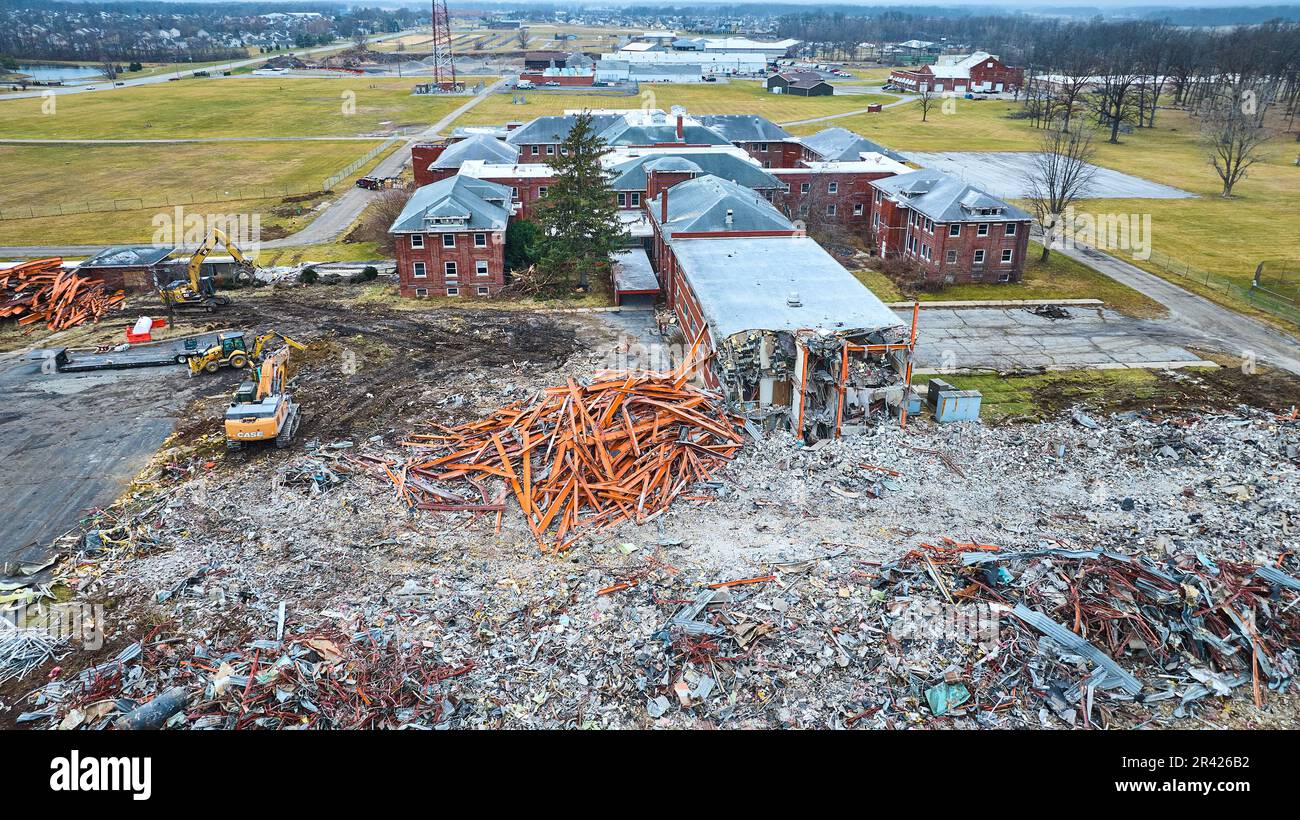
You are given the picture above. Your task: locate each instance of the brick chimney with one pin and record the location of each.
(663, 206)
(681, 130)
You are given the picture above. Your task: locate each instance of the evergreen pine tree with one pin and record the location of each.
(579, 218)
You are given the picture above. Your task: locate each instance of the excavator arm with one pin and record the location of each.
(260, 344)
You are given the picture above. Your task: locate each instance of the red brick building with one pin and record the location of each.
(978, 72)
(768, 143)
(838, 193)
(952, 231)
(431, 162)
(450, 239)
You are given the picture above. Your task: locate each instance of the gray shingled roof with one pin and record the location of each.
(483, 204)
(631, 174)
(128, 256)
(556, 128)
(945, 198)
(842, 145)
(701, 204)
(623, 133)
(479, 146)
(746, 127)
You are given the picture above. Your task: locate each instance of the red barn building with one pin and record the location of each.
(952, 231)
(978, 72)
(450, 239)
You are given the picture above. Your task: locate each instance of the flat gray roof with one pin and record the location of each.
(632, 271)
(745, 284)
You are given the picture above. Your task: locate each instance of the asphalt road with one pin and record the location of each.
(1222, 328)
(72, 442)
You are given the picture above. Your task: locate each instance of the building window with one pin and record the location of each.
(767, 163)
(762, 146)
(857, 209)
(1004, 277)
(636, 199)
(482, 291)
(833, 188)
(417, 240)
(929, 225)
(418, 270)
(1007, 253)
(875, 220)
(481, 267)
(449, 270)
(804, 187)
(453, 291)
(480, 240)
(622, 200)
(550, 150)
(954, 230)
(536, 150)
(950, 257)
(878, 196)
(564, 150)
(541, 191)
(422, 292)
(830, 209)
(1010, 229)
(983, 229)
(979, 257)
(449, 240)
(514, 193)
(803, 209)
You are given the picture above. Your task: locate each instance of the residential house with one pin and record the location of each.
(800, 83)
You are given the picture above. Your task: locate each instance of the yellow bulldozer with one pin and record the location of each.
(262, 409)
(232, 350)
(199, 292)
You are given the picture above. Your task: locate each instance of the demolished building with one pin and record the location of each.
(797, 342)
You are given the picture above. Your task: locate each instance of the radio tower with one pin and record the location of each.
(444, 67)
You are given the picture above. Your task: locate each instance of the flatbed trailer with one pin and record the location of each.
(152, 354)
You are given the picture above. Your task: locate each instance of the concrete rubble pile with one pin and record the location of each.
(1087, 571)
(759, 369)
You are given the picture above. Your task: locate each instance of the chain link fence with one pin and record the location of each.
(1265, 298)
(233, 193)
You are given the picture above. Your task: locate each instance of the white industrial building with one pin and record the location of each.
(714, 55)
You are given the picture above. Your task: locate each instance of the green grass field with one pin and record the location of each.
(205, 175)
(736, 97)
(1226, 237)
(229, 107)
(1059, 278)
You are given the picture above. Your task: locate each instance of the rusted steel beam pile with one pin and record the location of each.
(43, 291)
(577, 458)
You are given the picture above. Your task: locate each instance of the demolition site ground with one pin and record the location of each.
(292, 588)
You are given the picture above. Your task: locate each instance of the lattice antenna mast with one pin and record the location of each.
(444, 66)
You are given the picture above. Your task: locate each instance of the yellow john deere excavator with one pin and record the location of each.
(199, 292)
(231, 350)
(262, 410)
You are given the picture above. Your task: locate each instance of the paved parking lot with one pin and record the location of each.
(1003, 173)
(1013, 338)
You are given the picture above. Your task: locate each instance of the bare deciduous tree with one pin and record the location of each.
(926, 98)
(379, 216)
(1233, 132)
(1061, 174)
